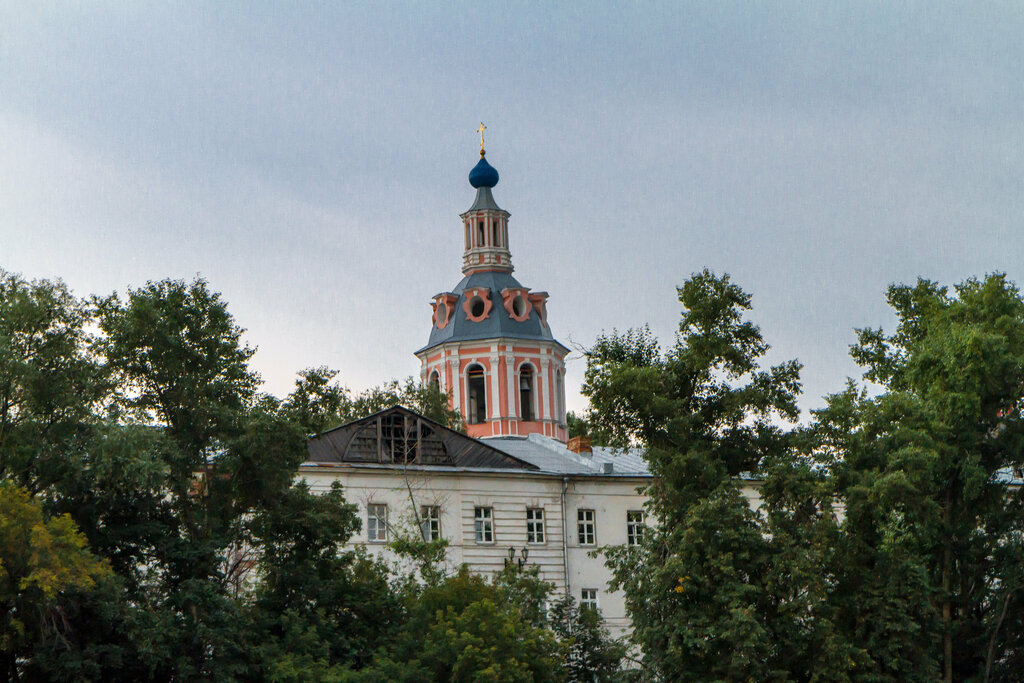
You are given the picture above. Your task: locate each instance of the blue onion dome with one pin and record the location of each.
(483, 174)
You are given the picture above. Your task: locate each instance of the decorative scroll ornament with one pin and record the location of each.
(517, 303)
(443, 307)
(477, 304)
(539, 301)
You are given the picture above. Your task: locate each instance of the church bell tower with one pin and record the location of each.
(490, 346)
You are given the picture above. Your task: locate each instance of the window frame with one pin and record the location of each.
(589, 601)
(527, 410)
(584, 535)
(535, 523)
(476, 374)
(430, 522)
(635, 527)
(380, 524)
(483, 524)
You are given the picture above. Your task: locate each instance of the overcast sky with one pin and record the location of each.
(310, 161)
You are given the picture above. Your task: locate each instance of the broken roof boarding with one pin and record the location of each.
(398, 436)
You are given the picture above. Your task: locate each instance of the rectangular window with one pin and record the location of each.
(430, 518)
(534, 525)
(635, 521)
(585, 526)
(376, 523)
(588, 598)
(483, 524)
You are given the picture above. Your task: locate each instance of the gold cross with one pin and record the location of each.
(481, 130)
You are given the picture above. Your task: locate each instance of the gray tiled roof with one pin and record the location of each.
(552, 457)
(498, 324)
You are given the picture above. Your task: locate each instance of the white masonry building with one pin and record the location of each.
(529, 497)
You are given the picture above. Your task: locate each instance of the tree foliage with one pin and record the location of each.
(40, 558)
(888, 542)
(152, 526)
(926, 468)
(319, 402)
(51, 384)
(466, 628)
(138, 420)
(705, 411)
(590, 654)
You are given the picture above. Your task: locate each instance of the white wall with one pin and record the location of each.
(509, 495)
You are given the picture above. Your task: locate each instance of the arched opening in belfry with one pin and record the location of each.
(477, 395)
(495, 233)
(526, 394)
(480, 234)
(435, 381)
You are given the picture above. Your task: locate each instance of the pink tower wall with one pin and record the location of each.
(503, 406)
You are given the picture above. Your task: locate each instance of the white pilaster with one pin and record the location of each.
(543, 392)
(510, 381)
(453, 363)
(495, 402)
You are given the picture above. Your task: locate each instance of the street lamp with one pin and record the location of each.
(518, 561)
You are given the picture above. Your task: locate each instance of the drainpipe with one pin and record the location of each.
(565, 535)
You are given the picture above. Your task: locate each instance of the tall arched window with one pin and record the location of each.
(480, 234)
(435, 381)
(477, 395)
(526, 393)
(495, 237)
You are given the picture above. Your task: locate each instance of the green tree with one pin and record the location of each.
(925, 469)
(152, 434)
(317, 606)
(40, 558)
(466, 628)
(580, 425)
(424, 399)
(182, 369)
(699, 587)
(589, 653)
(319, 402)
(55, 394)
(228, 458)
(51, 385)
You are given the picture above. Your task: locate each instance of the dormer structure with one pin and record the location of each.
(491, 348)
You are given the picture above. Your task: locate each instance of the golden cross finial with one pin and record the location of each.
(481, 130)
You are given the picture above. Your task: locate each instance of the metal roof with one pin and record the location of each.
(484, 200)
(498, 324)
(553, 457)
